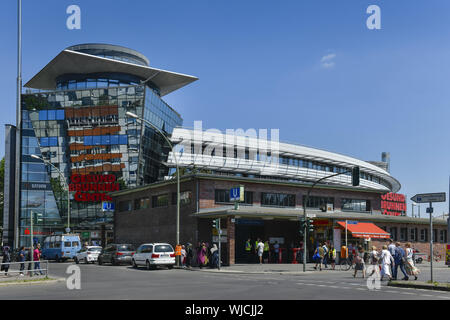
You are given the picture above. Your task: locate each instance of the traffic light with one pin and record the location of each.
(215, 224)
(302, 226)
(355, 176)
(310, 226)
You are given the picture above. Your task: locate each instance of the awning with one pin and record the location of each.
(365, 230)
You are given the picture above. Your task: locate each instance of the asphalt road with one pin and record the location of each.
(124, 283)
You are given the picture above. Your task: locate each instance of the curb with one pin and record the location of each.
(251, 272)
(419, 285)
(21, 282)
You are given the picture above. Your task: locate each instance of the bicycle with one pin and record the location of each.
(346, 264)
(436, 257)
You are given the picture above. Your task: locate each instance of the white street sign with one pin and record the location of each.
(311, 215)
(429, 197)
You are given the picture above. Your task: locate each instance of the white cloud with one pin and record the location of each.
(327, 61)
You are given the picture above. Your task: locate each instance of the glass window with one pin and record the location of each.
(277, 199)
(67, 244)
(355, 205)
(163, 248)
(160, 201)
(60, 115)
(114, 139)
(403, 234)
(318, 202)
(123, 140)
(51, 115)
(44, 142)
(97, 140)
(53, 142)
(88, 141)
(43, 115)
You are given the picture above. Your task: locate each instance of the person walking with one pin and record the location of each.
(183, 256)
(6, 260)
(260, 249)
(410, 266)
(214, 257)
(399, 259)
(21, 259)
(201, 255)
(386, 261)
(248, 250)
(266, 252)
(37, 260)
(276, 250)
(360, 264)
(332, 257)
(325, 255)
(318, 257)
(189, 255)
(391, 248)
(373, 260)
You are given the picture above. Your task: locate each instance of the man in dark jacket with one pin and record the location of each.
(6, 259)
(399, 259)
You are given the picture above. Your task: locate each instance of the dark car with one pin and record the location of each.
(116, 254)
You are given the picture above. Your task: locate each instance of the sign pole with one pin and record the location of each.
(220, 244)
(431, 240)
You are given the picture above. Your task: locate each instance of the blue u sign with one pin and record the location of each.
(108, 206)
(235, 194)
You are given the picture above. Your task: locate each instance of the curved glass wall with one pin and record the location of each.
(86, 131)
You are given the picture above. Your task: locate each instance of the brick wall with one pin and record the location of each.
(156, 224)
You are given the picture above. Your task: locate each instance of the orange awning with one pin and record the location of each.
(365, 230)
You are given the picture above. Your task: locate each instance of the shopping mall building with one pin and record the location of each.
(74, 119)
(276, 178)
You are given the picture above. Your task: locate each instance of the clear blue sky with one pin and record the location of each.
(260, 66)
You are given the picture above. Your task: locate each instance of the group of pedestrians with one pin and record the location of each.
(325, 254)
(202, 255)
(259, 252)
(393, 257)
(388, 261)
(32, 256)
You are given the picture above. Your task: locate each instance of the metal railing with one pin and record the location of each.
(20, 269)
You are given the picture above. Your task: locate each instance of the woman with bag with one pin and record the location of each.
(318, 257)
(359, 260)
(411, 269)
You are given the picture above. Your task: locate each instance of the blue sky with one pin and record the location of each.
(263, 64)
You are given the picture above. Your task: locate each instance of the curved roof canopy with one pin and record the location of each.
(73, 62)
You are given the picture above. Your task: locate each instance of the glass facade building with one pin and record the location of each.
(79, 125)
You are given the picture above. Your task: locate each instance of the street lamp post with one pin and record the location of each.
(65, 184)
(132, 115)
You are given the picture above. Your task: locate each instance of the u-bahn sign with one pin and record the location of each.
(429, 197)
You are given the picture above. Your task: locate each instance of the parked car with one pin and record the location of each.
(61, 248)
(116, 254)
(88, 254)
(153, 255)
(419, 256)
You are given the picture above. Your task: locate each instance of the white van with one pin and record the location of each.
(152, 255)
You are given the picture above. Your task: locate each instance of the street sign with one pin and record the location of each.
(311, 215)
(108, 206)
(429, 197)
(237, 194)
(67, 230)
(352, 222)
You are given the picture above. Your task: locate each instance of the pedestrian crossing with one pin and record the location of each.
(384, 289)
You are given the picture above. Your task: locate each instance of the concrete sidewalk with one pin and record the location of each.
(266, 268)
(297, 268)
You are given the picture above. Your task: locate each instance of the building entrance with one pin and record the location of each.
(284, 233)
